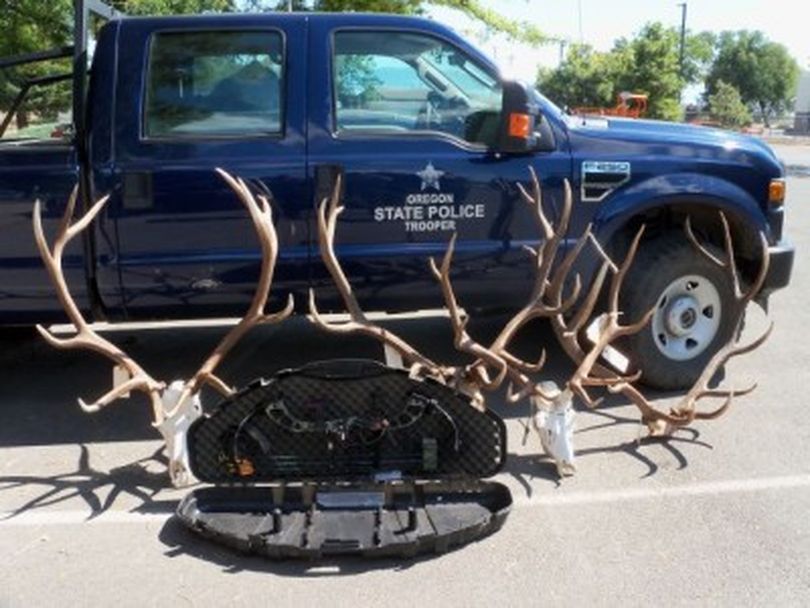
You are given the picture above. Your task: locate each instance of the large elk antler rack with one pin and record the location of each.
(470, 379)
(177, 404)
(685, 412)
(569, 314)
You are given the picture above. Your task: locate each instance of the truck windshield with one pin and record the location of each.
(402, 81)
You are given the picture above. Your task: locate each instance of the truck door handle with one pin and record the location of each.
(137, 191)
(325, 176)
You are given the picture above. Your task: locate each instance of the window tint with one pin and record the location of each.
(398, 82)
(214, 83)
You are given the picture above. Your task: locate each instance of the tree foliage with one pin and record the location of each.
(727, 107)
(762, 71)
(36, 25)
(650, 64)
(586, 78)
(172, 7)
(522, 31)
(647, 63)
(28, 26)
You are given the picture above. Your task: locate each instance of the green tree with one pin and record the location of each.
(585, 78)
(517, 30)
(28, 26)
(172, 7)
(34, 25)
(698, 55)
(726, 106)
(647, 63)
(762, 71)
(31, 25)
(652, 66)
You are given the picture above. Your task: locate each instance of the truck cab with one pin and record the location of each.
(419, 125)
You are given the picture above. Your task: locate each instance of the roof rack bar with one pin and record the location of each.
(102, 10)
(15, 60)
(42, 80)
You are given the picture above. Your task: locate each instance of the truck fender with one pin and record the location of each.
(679, 189)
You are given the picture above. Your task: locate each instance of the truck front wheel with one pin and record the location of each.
(694, 316)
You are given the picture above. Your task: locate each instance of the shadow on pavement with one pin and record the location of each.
(39, 408)
(97, 489)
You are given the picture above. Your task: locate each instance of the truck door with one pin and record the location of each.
(225, 93)
(404, 116)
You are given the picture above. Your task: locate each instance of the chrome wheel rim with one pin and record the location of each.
(687, 317)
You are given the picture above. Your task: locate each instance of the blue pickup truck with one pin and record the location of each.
(431, 141)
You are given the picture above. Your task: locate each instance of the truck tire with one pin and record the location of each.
(695, 312)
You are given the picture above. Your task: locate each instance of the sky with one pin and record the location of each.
(600, 22)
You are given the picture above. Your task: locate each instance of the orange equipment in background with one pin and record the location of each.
(630, 105)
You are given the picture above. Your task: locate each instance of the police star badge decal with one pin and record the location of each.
(430, 177)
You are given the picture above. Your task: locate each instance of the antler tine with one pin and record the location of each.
(462, 339)
(261, 214)
(688, 405)
(545, 256)
(687, 226)
(524, 366)
(86, 337)
(765, 264)
(588, 304)
(609, 329)
(618, 278)
(67, 216)
(700, 389)
(535, 200)
(564, 269)
(729, 264)
(526, 390)
(328, 213)
(507, 364)
(649, 413)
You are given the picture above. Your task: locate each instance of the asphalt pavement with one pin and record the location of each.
(718, 515)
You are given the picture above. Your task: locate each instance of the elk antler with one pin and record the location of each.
(328, 213)
(686, 410)
(261, 215)
(546, 299)
(474, 377)
(609, 328)
(85, 337)
(176, 407)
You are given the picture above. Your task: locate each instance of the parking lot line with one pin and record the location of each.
(560, 499)
(707, 488)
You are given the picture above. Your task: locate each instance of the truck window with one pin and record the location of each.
(214, 84)
(396, 82)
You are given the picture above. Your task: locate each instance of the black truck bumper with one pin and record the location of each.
(780, 269)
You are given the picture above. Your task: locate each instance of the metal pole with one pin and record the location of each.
(289, 6)
(683, 36)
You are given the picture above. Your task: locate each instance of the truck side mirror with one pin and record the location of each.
(518, 115)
